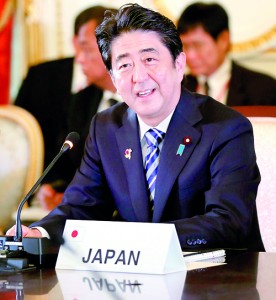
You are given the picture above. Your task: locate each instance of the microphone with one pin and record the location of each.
(71, 140)
(40, 251)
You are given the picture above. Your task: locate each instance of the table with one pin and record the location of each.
(245, 276)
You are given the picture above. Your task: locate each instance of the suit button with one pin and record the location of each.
(189, 242)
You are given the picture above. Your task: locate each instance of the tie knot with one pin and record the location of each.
(154, 137)
(112, 101)
(206, 88)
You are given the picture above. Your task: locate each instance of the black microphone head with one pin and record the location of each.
(71, 140)
(73, 137)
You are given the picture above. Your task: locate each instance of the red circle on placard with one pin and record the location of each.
(74, 233)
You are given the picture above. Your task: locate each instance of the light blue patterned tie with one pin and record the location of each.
(153, 138)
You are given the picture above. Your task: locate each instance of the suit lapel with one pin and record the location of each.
(128, 138)
(182, 124)
(171, 164)
(236, 89)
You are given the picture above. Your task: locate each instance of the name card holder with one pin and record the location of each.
(148, 248)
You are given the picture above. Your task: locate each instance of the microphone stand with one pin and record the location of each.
(18, 225)
(37, 249)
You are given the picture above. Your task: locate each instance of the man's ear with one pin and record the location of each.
(112, 76)
(223, 40)
(113, 79)
(74, 42)
(180, 64)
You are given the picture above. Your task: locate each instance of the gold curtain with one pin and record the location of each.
(34, 33)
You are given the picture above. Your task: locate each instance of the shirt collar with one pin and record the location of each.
(110, 95)
(218, 81)
(163, 126)
(221, 75)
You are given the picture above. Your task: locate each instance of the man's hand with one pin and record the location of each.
(48, 197)
(26, 232)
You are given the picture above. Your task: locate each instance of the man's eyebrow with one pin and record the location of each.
(146, 50)
(121, 56)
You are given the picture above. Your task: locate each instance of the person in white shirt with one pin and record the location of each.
(205, 35)
(64, 95)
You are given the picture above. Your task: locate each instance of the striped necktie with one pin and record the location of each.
(153, 138)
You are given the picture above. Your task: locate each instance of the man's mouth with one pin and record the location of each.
(145, 93)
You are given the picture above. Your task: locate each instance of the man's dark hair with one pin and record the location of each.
(132, 17)
(211, 16)
(92, 13)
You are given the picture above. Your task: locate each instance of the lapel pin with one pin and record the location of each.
(128, 153)
(186, 141)
(180, 149)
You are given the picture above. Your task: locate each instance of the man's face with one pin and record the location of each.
(145, 75)
(87, 53)
(204, 54)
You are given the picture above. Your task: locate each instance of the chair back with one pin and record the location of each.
(256, 110)
(263, 119)
(22, 158)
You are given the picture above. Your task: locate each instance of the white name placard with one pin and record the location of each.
(148, 248)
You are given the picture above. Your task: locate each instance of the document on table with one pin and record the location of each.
(202, 255)
(204, 259)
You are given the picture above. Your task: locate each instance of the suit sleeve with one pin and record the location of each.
(86, 198)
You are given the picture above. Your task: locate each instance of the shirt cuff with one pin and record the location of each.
(43, 232)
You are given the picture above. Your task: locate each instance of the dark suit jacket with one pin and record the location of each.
(246, 87)
(208, 192)
(46, 93)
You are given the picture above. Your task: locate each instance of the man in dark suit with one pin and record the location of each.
(51, 94)
(205, 176)
(204, 31)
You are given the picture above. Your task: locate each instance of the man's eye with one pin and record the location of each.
(151, 60)
(123, 66)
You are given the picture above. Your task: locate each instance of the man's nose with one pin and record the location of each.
(190, 52)
(79, 56)
(140, 73)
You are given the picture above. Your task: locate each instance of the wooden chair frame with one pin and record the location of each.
(33, 132)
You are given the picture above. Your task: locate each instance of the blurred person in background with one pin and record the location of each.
(64, 95)
(205, 35)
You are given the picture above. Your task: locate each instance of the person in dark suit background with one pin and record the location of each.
(207, 176)
(204, 31)
(64, 95)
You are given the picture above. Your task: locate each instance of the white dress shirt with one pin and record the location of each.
(218, 82)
